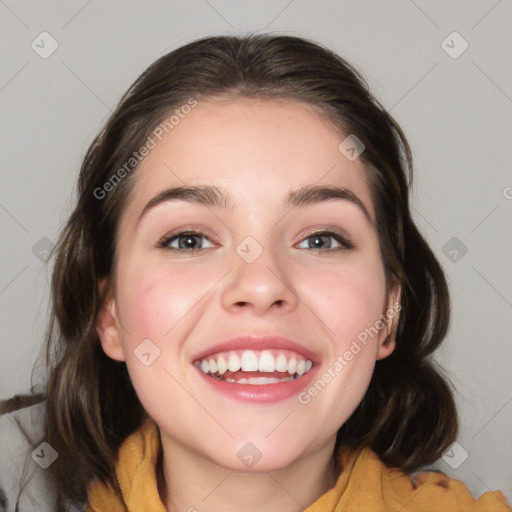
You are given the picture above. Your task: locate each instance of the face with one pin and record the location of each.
(262, 267)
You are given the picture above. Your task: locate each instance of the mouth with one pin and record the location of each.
(255, 367)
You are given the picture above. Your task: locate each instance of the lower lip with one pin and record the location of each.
(260, 393)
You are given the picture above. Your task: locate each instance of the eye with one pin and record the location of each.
(321, 241)
(187, 241)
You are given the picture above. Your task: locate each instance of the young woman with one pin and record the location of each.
(244, 311)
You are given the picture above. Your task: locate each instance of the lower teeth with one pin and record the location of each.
(257, 381)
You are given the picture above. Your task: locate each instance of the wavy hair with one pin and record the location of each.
(408, 415)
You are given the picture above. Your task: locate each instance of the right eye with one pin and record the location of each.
(186, 241)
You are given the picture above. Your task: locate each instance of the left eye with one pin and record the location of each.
(320, 241)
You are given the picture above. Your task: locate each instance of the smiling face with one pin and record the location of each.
(264, 266)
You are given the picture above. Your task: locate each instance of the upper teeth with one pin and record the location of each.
(250, 361)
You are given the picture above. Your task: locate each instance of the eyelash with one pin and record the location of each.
(346, 243)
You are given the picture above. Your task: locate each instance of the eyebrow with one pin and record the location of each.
(210, 195)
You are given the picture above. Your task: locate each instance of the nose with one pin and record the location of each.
(260, 285)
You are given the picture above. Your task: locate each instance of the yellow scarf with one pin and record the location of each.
(365, 484)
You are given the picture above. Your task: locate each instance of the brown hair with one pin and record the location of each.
(407, 416)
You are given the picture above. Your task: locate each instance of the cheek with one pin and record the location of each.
(347, 298)
(349, 302)
(153, 300)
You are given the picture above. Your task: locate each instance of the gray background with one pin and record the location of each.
(454, 111)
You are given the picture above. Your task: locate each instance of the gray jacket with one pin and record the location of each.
(38, 494)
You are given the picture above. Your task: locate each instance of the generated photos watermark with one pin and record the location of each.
(162, 129)
(343, 360)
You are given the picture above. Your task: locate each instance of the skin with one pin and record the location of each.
(258, 149)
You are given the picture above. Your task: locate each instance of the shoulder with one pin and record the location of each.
(429, 490)
(23, 460)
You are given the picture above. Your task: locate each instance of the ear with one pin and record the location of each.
(391, 316)
(108, 327)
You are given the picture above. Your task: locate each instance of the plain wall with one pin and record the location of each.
(455, 111)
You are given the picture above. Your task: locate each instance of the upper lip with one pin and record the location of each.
(257, 342)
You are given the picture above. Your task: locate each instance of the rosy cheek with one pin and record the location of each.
(346, 301)
(158, 296)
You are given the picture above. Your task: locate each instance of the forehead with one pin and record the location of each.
(258, 149)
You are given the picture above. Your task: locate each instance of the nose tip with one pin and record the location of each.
(262, 284)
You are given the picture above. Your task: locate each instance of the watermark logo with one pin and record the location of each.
(351, 147)
(44, 45)
(249, 250)
(454, 455)
(454, 45)
(454, 249)
(42, 249)
(249, 454)
(44, 455)
(147, 352)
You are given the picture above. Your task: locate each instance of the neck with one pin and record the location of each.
(187, 482)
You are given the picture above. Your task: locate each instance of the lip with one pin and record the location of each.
(263, 393)
(261, 342)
